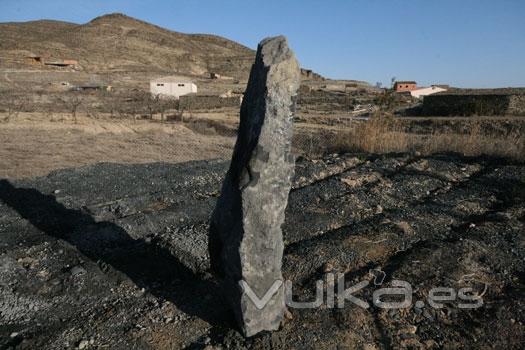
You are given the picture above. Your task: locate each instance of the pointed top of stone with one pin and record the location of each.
(274, 50)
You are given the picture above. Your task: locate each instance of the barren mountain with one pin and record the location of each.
(116, 42)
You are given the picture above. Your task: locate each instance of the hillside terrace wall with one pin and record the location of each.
(325, 100)
(517, 105)
(474, 104)
(192, 102)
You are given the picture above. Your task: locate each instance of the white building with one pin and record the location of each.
(418, 93)
(172, 86)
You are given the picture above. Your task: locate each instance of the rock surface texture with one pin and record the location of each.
(246, 244)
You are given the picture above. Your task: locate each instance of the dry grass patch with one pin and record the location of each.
(386, 134)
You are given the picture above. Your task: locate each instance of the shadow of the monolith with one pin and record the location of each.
(148, 265)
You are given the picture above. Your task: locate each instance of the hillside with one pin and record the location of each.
(116, 43)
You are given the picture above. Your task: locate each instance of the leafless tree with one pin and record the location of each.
(92, 112)
(150, 102)
(392, 82)
(14, 104)
(137, 104)
(115, 105)
(72, 103)
(165, 104)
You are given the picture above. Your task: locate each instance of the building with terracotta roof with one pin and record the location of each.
(405, 86)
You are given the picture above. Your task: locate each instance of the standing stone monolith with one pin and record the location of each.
(246, 243)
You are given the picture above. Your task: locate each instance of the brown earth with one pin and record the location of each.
(34, 145)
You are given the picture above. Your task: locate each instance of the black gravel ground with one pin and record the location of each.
(115, 256)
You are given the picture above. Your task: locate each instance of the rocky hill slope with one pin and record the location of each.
(116, 42)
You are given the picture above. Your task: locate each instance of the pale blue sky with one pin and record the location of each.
(464, 43)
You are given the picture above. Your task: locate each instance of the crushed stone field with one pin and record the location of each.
(115, 255)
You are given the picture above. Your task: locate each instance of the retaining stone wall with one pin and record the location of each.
(192, 102)
(470, 105)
